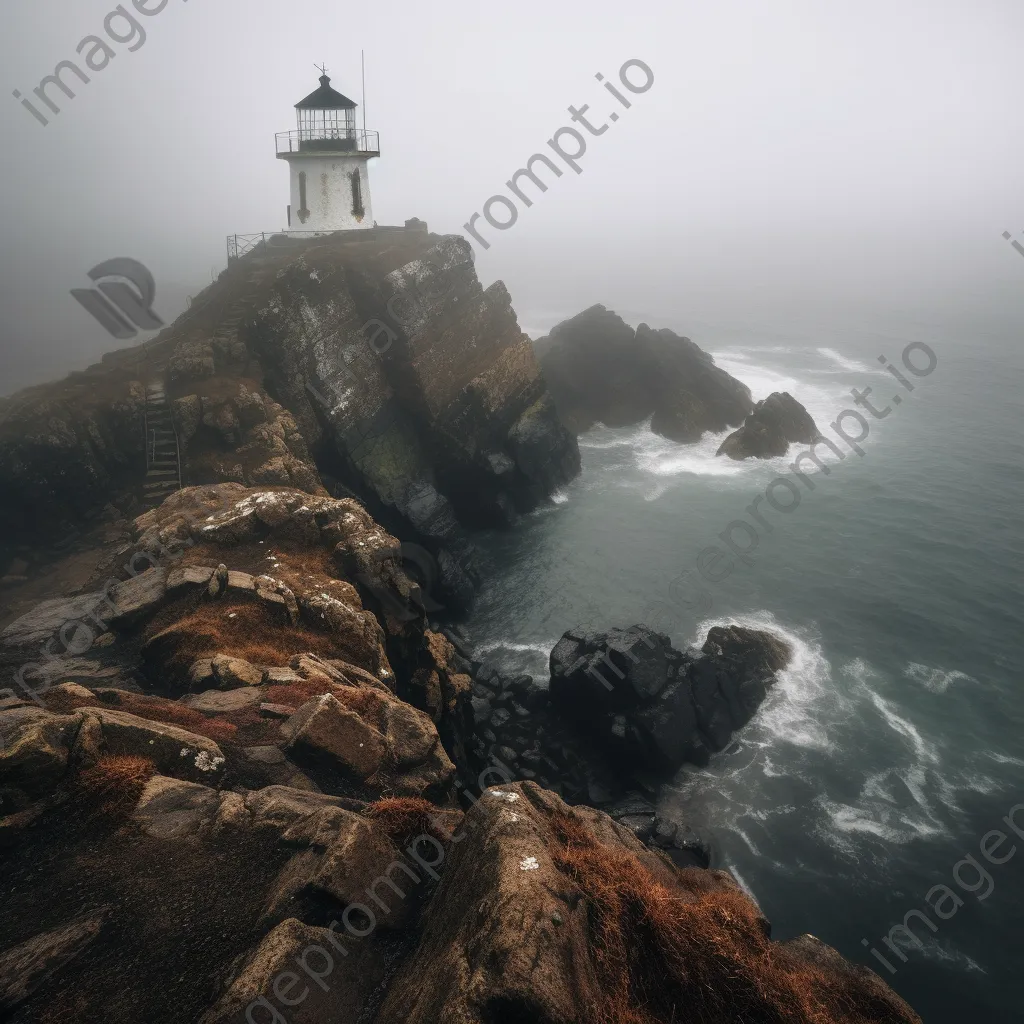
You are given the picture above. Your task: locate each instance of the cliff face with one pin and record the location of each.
(416, 382)
(600, 370)
(245, 792)
(377, 365)
(74, 446)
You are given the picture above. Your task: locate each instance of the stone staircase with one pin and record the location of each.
(163, 460)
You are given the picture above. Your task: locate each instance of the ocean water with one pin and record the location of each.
(893, 745)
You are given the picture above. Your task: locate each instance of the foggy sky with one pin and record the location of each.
(817, 158)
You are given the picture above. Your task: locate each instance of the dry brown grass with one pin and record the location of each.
(368, 704)
(256, 633)
(171, 713)
(402, 819)
(294, 695)
(112, 787)
(699, 954)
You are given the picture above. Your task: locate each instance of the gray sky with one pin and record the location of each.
(797, 156)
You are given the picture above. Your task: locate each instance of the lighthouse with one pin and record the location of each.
(327, 158)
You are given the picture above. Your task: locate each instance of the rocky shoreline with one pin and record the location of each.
(274, 724)
(251, 768)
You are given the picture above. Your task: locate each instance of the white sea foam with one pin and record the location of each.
(742, 882)
(803, 706)
(509, 645)
(937, 680)
(662, 458)
(649, 453)
(924, 751)
(762, 380)
(804, 719)
(644, 451)
(934, 951)
(739, 351)
(848, 824)
(848, 364)
(796, 721)
(822, 402)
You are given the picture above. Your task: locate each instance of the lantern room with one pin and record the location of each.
(326, 117)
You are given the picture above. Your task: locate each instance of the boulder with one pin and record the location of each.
(173, 809)
(384, 745)
(186, 415)
(233, 673)
(68, 621)
(547, 912)
(189, 575)
(344, 855)
(222, 702)
(268, 986)
(324, 731)
(32, 964)
(278, 807)
(35, 747)
(653, 707)
(175, 752)
(775, 423)
(137, 597)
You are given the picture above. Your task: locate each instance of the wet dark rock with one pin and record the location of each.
(776, 422)
(641, 825)
(654, 708)
(599, 369)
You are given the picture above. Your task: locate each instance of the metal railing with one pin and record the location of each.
(242, 245)
(328, 140)
(239, 245)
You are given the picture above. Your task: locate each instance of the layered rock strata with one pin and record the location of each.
(379, 366)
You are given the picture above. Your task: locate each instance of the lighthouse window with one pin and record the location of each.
(302, 211)
(357, 196)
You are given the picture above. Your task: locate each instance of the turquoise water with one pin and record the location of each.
(893, 743)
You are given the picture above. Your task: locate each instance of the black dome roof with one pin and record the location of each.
(325, 98)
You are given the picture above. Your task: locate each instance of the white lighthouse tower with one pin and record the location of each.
(327, 156)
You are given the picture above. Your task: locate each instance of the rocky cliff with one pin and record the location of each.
(236, 787)
(376, 365)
